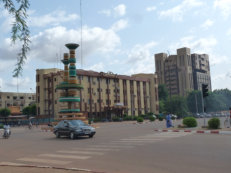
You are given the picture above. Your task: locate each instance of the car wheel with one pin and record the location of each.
(72, 135)
(90, 136)
(57, 134)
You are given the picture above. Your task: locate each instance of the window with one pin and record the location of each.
(38, 89)
(38, 110)
(14, 97)
(8, 97)
(54, 79)
(29, 98)
(21, 97)
(37, 78)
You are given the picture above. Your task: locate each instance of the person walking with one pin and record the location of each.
(169, 121)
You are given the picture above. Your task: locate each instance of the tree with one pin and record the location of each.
(29, 110)
(4, 113)
(161, 106)
(162, 92)
(176, 105)
(33, 109)
(194, 102)
(20, 31)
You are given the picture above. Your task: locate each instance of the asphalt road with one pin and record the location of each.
(121, 148)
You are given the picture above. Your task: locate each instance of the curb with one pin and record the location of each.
(197, 131)
(46, 167)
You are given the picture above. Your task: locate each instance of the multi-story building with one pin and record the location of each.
(201, 71)
(8, 99)
(183, 72)
(104, 94)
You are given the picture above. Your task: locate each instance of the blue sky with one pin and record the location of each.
(119, 36)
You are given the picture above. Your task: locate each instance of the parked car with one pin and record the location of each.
(73, 129)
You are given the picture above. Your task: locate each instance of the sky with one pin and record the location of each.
(120, 36)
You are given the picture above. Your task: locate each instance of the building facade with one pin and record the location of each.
(9, 99)
(183, 72)
(103, 95)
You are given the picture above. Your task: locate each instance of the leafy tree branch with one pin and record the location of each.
(20, 30)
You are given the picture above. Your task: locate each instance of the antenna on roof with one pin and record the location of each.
(168, 52)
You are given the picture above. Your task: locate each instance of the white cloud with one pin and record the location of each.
(45, 45)
(177, 12)
(1, 84)
(141, 58)
(219, 78)
(119, 25)
(120, 10)
(106, 12)
(7, 21)
(54, 18)
(11, 85)
(97, 67)
(199, 45)
(208, 23)
(152, 8)
(229, 32)
(117, 11)
(224, 6)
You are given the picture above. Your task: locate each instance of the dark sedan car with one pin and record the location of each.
(73, 129)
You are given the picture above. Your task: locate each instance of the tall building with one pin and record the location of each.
(103, 95)
(8, 99)
(183, 72)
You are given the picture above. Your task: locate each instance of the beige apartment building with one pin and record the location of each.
(183, 72)
(104, 95)
(9, 99)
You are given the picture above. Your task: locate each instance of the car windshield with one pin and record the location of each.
(77, 123)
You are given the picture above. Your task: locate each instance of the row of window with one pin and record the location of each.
(17, 97)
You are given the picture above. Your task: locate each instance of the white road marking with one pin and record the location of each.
(65, 156)
(112, 146)
(47, 161)
(135, 139)
(11, 163)
(97, 149)
(81, 152)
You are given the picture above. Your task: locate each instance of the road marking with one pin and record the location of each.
(97, 149)
(112, 146)
(144, 139)
(125, 144)
(48, 161)
(11, 163)
(65, 156)
(81, 152)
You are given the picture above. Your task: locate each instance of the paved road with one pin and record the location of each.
(121, 148)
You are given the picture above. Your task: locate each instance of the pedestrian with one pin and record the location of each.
(168, 120)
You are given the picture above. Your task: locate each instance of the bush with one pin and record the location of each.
(128, 118)
(214, 123)
(115, 119)
(151, 118)
(190, 122)
(160, 118)
(1, 126)
(140, 119)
